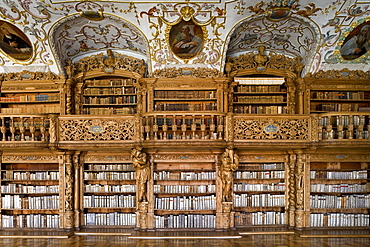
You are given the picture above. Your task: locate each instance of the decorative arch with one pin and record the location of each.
(293, 37)
(78, 36)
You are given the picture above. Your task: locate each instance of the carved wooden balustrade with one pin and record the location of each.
(343, 126)
(290, 128)
(182, 126)
(27, 128)
(96, 131)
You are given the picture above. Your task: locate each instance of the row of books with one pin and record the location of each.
(28, 189)
(185, 221)
(253, 109)
(186, 203)
(339, 219)
(110, 167)
(331, 201)
(109, 175)
(112, 100)
(31, 98)
(30, 221)
(114, 90)
(34, 109)
(198, 120)
(345, 120)
(114, 201)
(339, 188)
(166, 175)
(344, 134)
(13, 175)
(124, 188)
(243, 187)
(109, 110)
(31, 202)
(110, 219)
(259, 175)
(183, 94)
(258, 89)
(259, 200)
(259, 218)
(109, 82)
(338, 175)
(263, 166)
(185, 188)
(338, 95)
(337, 107)
(185, 107)
(260, 99)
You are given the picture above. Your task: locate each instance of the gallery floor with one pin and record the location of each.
(262, 237)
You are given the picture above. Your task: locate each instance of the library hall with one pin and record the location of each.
(192, 123)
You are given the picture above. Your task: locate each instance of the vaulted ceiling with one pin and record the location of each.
(71, 30)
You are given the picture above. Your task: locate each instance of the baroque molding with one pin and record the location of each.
(30, 158)
(340, 74)
(263, 158)
(183, 157)
(338, 157)
(186, 72)
(30, 76)
(107, 158)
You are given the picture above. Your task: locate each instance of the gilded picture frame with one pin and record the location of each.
(14, 43)
(186, 39)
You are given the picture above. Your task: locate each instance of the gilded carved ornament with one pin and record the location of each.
(34, 76)
(186, 72)
(340, 74)
(268, 64)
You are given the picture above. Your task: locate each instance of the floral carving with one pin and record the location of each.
(186, 72)
(341, 74)
(256, 129)
(96, 129)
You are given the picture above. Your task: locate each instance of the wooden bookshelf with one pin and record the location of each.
(109, 96)
(30, 192)
(339, 194)
(260, 194)
(38, 97)
(261, 97)
(185, 194)
(109, 192)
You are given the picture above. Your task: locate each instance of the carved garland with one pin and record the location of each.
(281, 129)
(96, 130)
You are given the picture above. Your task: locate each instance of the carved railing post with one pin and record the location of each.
(300, 183)
(78, 189)
(53, 131)
(291, 190)
(68, 196)
(300, 85)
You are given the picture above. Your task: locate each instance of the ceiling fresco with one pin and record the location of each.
(62, 31)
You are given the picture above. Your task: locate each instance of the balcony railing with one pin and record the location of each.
(72, 130)
(26, 128)
(344, 126)
(181, 126)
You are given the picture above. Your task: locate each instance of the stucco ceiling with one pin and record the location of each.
(63, 30)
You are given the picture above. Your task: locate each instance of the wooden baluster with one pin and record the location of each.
(147, 128)
(174, 127)
(183, 127)
(212, 128)
(3, 128)
(360, 127)
(220, 127)
(340, 127)
(22, 129)
(43, 129)
(193, 127)
(203, 128)
(12, 128)
(350, 128)
(164, 127)
(32, 129)
(155, 128)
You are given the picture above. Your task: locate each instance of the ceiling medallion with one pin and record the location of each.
(280, 9)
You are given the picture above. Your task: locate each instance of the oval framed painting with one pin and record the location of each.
(357, 43)
(14, 42)
(186, 39)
